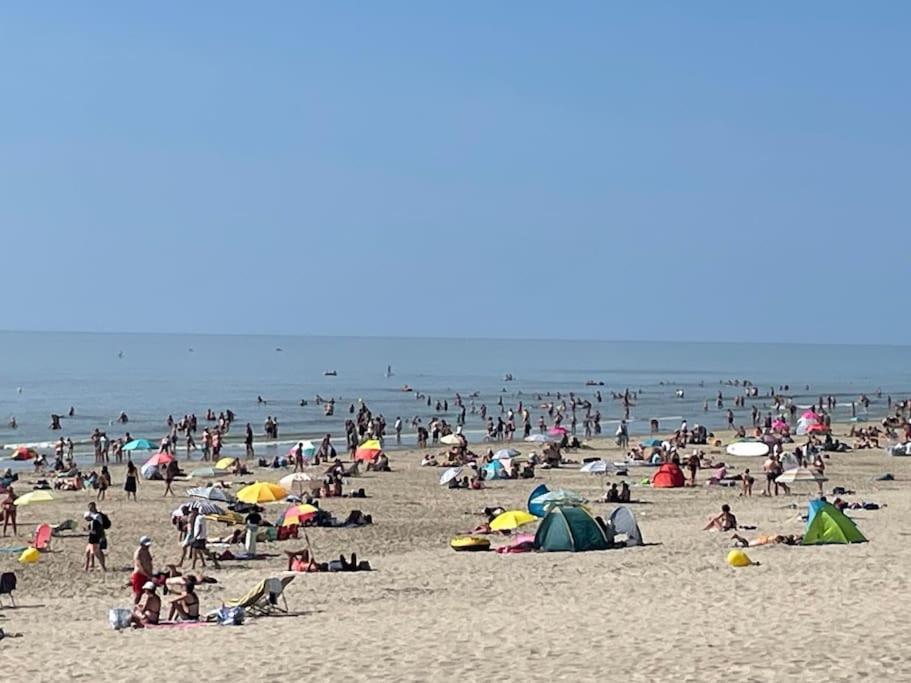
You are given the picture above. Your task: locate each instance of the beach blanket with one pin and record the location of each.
(181, 625)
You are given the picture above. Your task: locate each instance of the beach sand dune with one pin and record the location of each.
(670, 610)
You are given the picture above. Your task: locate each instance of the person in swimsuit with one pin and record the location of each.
(9, 511)
(148, 609)
(131, 481)
(142, 568)
(185, 606)
(723, 522)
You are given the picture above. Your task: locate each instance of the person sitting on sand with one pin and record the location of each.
(624, 495)
(723, 522)
(301, 561)
(148, 609)
(612, 495)
(186, 605)
(766, 539)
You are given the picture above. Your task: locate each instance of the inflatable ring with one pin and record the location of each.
(469, 543)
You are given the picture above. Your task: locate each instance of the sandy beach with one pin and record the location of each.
(670, 609)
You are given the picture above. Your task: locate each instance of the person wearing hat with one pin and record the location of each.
(142, 568)
(148, 609)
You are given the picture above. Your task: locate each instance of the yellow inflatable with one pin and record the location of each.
(29, 556)
(738, 558)
(469, 543)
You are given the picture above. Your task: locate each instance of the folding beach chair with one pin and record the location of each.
(42, 539)
(263, 599)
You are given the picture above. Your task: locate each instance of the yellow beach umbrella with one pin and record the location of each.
(371, 445)
(225, 463)
(512, 519)
(297, 514)
(34, 497)
(262, 492)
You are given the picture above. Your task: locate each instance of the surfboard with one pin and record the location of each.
(747, 449)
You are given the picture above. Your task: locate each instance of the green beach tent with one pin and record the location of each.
(828, 524)
(570, 529)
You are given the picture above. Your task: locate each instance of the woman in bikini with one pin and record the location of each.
(185, 606)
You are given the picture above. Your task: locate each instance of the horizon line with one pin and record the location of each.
(443, 338)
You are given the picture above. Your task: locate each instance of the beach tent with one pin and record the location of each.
(827, 524)
(493, 470)
(537, 509)
(622, 521)
(668, 476)
(570, 529)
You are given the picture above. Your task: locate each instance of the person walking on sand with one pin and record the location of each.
(93, 551)
(170, 474)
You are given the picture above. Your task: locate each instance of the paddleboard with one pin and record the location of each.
(747, 449)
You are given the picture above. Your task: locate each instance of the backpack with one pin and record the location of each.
(105, 520)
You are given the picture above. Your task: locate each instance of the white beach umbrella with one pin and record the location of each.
(449, 475)
(594, 467)
(212, 493)
(299, 481)
(506, 454)
(451, 440)
(799, 475)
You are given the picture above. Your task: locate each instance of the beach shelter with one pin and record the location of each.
(139, 445)
(511, 519)
(159, 459)
(622, 521)
(570, 529)
(262, 492)
(828, 524)
(559, 497)
(668, 476)
(537, 509)
(493, 470)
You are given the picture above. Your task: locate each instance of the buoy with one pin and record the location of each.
(738, 558)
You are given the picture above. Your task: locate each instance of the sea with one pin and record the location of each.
(152, 376)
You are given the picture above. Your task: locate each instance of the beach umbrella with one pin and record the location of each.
(651, 443)
(506, 454)
(212, 493)
(299, 481)
(557, 431)
(800, 475)
(594, 467)
(204, 507)
(809, 415)
(451, 440)
(298, 514)
(372, 444)
(262, 492)
(779, 424)
(367, 453)
(139, 445)
(559, 497)
(159, 459)
(34, 497)
(308, 450)
(817, 429)
(449, 475)
(205, 473)
(511, 519)
(24, 453)
(225, 463)
(148, 471)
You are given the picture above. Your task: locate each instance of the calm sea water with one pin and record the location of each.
(152, 376)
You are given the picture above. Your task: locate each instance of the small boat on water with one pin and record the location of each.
(407, 388)
(330, 373)
(388, 371)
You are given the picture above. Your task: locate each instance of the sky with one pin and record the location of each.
(674, 171)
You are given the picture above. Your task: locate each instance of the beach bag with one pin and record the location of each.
(230, 616)
(119, 618)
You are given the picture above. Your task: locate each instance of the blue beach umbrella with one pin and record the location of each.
(139, 445)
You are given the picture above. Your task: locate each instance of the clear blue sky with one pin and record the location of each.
(713, 170)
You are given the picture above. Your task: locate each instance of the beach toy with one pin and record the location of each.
(29, 556)
(738, 558)
(469, 543)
